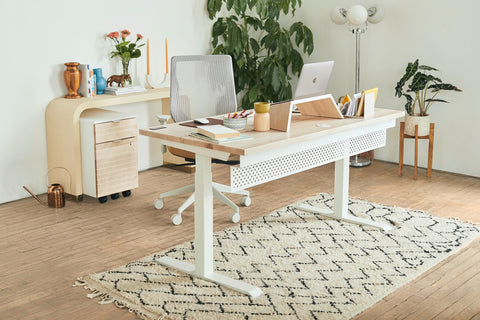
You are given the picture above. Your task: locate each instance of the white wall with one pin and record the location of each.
(39, 36)
(441, 34)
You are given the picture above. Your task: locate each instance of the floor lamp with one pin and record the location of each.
(356, 18)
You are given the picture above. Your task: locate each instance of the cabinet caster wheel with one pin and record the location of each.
(115, 196)
(235, 217)
(246, 201)
(176, 219)
(126, 193)
(158, 204)
(103, 199)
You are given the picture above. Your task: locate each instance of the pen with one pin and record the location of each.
(234, 115)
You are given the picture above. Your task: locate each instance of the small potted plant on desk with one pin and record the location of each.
(425, 88)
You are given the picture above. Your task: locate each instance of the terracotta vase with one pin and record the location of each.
(72, 78)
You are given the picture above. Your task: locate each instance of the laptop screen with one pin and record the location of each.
(313, 80)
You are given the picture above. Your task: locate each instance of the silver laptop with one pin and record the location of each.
(313, 80)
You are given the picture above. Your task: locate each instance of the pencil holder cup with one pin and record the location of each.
(235, 123)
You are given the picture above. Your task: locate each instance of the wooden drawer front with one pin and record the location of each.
(116, 166)
(114, 130)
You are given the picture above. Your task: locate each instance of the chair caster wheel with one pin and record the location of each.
(115, 196)
(158, 204)
(246, 201)
(235, 217)
(176, 219)
(103, 199)
(126, 193)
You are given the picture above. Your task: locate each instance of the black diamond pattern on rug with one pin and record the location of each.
(308, 266)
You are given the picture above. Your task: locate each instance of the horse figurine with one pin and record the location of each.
(118, 79)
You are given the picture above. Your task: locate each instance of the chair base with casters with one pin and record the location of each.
(218, 190)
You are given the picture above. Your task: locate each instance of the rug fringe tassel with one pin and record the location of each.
(79, 283)
(467, 221)
(106, 299)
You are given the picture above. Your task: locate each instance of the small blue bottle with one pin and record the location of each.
(101, 82)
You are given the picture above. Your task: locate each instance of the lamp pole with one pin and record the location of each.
(357, 161)
(357, 17)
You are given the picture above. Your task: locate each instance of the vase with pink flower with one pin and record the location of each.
(125, 49)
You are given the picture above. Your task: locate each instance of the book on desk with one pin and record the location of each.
(222, 140)
(362, 104)
(218, 131)
(218, 134)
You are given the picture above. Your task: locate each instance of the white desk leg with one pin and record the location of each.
(203, 267)
(203, 217)
(342, 171)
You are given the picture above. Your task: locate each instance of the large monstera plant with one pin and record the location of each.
(265, 54)
(424, 86)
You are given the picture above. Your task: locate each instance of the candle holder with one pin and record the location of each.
(155, 85)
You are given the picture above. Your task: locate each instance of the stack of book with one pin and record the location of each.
(218, 133)
(124, 90)
(362, 104)
(88, 82)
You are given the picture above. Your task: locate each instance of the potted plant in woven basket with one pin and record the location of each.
(419, 82)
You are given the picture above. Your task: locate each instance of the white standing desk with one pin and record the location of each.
(311, 142)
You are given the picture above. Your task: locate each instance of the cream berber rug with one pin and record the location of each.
(309, 267)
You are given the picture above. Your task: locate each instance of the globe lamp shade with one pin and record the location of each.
(357, 15)
(376, 14)
(337, 15)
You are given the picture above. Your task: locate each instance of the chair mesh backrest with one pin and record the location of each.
(201, 86)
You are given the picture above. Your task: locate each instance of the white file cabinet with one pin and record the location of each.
(109, 153)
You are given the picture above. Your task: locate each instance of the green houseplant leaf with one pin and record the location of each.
(425, 86)
(264, 53)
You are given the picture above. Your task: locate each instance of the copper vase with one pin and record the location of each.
(56, 196)
(72, 78)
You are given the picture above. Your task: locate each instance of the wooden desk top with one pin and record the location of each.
(302, 128)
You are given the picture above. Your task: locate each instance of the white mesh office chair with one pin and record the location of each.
(201, 86)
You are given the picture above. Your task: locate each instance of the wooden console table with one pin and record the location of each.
(416, 137)
(62, 119)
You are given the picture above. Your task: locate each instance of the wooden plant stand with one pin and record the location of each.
(416, 137)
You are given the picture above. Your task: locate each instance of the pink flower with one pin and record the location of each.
(125, 33)
(112, 35)
(139, 36)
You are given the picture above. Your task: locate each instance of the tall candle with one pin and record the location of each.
(148, 56)
(166, 55)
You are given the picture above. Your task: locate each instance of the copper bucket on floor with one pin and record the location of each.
(56, 196)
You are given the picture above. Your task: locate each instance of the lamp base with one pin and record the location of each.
(359, 162)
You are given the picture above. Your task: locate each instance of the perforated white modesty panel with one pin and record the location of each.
(261, 172)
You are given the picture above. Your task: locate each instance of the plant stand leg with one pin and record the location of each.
(400, 151)
(416, 153)
(430, 149)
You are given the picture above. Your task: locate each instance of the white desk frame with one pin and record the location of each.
(268, 156)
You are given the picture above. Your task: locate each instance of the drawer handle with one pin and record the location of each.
(116, 121)
(118, 140)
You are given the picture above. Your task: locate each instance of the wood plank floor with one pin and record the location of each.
(43, 250)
